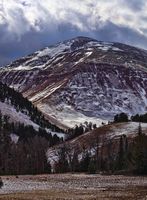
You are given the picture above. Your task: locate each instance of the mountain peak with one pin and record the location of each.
(82, 38)
(82, 78)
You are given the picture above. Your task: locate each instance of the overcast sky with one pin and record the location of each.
(28, 25)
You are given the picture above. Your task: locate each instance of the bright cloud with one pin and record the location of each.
(20, 16)
(25, 21)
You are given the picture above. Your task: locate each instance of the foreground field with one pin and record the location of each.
(73, 186)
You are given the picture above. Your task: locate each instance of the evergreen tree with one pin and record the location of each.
(1, 183)
(121, 156)
(62, 164)
(140, 152)
(92, 166)
(122, 117)
(85, 161)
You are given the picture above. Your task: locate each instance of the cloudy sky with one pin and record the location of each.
(28, 25)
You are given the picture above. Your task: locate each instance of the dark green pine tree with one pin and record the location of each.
(140, 152)
(139, 129)
(62, 165)
(121, 155)
(84, 164)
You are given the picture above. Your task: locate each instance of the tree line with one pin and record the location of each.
(23, 157)
(78, 130)
(123, 117)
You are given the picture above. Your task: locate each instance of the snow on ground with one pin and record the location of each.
(15, 116)
(47, 91)
(14, 138)
(55, 50)
(60, 135)
(65, 47)
(68, 116)
(28, 68)
(113, 131)
(62, 49)
(16, 185)
(128, 129)
(22, 68)
(104, 46)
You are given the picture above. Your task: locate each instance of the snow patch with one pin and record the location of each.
(68, 116)
(55, 50)
(15, 116)
(14, 138)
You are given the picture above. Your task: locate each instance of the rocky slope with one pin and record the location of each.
(82, 79)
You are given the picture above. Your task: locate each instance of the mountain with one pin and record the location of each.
(82, 79)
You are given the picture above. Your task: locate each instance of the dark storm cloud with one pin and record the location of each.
(136, 5)
(115, 33)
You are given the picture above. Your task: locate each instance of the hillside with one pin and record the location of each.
(101, 141)
(25, 135)
(19, 110)
(82, 80)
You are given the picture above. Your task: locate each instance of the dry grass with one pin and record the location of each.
(78, 187)
(111, 194)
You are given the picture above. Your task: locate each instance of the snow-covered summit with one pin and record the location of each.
(79, 43)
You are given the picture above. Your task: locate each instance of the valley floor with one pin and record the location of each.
(73, 186)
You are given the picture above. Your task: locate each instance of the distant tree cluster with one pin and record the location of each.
(23, 157)
(139, 118)
(122, 117)
(80, 130)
